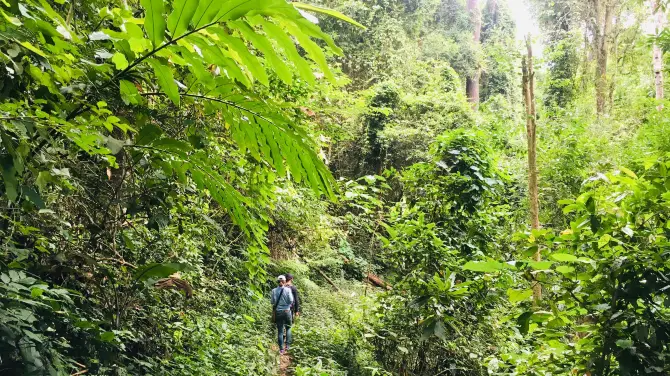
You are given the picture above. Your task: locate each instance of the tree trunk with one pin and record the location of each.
(374, 279)
(493, 9)
(528, 76)
(603, 10)
(472, 83)
(659, 21)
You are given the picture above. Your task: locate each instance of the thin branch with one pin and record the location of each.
(81, 108)
(213, 99)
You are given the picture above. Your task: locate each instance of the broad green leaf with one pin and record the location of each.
(313, 31)
(541, 316)
(154, 21)
(249, 318)
(13, 20)
(234, 9)
(173, 145)
(330, 12)
(628, 172)
(129, 93)
(205, 12)
(120, 61)
(484, 266)
(159, 270)
(284, 41)
(63, 27)
(215, 55)
(107, 336)
(32, 48)
(518, 295)
(540, 265)
(563, 257)
(180, 18)
(148, 134)
(133, 30)
(166, 80)
(249, 61)
(565, 269)
(624, 343)
(313, 50)
(604, 240)
(264, 45)
(34, 196)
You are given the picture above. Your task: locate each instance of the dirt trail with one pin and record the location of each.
(284, 363)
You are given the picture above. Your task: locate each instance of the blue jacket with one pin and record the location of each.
(286, 298)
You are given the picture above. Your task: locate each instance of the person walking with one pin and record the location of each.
(282, 300)
(295, 308)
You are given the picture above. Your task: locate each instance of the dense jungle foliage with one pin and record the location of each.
(162, 161)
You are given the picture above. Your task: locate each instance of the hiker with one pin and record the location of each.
(282, 299)
(295, 308)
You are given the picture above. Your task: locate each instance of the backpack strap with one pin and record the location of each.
(277, 302)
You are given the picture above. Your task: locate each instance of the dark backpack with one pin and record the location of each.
(274, 309)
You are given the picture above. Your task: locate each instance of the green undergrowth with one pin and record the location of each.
(222, 343)
(331, 335)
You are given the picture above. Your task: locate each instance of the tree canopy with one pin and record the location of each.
(451, 199)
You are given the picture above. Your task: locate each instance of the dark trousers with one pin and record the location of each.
(284, 319)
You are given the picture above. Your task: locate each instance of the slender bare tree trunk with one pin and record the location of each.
(493, 9)
(659, 21)
(528, 77)
(602, 19)
(472, 83)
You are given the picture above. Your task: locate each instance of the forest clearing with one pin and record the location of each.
(407, 187)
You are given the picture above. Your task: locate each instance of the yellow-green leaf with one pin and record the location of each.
(564, 257)
(13, 20)
(330, 12)
(249, 61)
(181, 16)
(264, 45)
(275, 32)
(33, 48)
(628, 172)
(205, 13)
(120, 61)
(519, 295)
(154, 22)
(129, 93)
(313, 50)
(234, 9)
(166, 80)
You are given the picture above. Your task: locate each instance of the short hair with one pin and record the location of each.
(289, 276)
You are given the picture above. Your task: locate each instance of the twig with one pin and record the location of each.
(120, 261)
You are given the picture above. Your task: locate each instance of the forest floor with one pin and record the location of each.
(284, 363)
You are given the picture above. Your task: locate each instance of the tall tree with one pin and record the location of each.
(657, 60)
(558, 23)
(528, 76)
(498, 30)
(601, 25)
(472, 83)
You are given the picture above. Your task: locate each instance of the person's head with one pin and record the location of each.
(289, 278)
(281, 280)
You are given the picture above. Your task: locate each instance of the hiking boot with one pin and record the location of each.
(282, 351)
